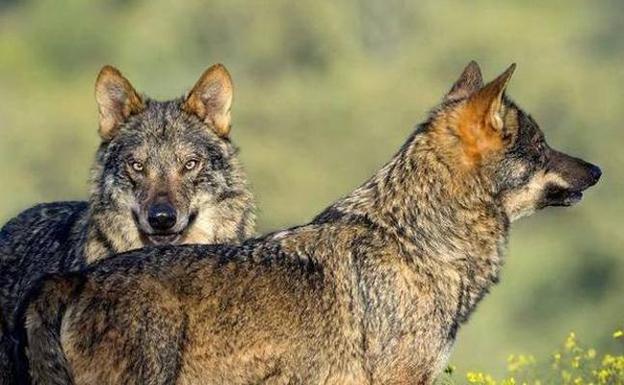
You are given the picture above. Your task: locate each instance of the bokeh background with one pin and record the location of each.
(325, 93)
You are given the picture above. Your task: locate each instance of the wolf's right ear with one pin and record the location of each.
(211, 99)
(116, 100)
(488, 100)
(469, 82)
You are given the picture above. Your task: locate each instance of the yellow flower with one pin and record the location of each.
(473, 377)
(480, 378)
(557, 360)
(570, 342)
(603, 376)
(576, 362)
(573, 365)
(566, 376)
(515, 363)
(608, 360)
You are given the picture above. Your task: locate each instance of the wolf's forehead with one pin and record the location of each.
(164, 118)
(167, 121)
(180, 143)
(168, 140)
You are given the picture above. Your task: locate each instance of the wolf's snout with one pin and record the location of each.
(161, 216)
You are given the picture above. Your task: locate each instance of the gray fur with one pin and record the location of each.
(372, 291)
(213, 203)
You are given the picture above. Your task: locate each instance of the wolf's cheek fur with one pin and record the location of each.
(524, 201)
(205, 210)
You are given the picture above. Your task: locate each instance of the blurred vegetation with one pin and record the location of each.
(325, 93)
(572, 364)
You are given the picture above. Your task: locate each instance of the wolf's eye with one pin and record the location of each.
(136, 166)
(191, 164)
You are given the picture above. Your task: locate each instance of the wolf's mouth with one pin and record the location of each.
(557, 196)
(163, 239)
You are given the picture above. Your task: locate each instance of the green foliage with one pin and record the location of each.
(572, 364)
(325, 93)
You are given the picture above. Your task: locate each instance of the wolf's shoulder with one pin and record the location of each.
(43, 216)
(41, 228)
(50, 212)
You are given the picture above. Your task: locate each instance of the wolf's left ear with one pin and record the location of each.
(211, 99)
(469, 82)
(116, 100)
(489, 99)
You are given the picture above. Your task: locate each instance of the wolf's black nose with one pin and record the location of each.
(161, 216)
(596, 173)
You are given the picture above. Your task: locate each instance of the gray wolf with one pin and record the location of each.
(372, 291)
(164, 173)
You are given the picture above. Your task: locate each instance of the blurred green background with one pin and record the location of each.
(325, 93)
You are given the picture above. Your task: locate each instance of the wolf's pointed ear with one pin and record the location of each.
(489, 99)
(211, 99)
(116, 100)
(469, 82)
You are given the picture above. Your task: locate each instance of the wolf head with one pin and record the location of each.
(481, 133)
(166, 172)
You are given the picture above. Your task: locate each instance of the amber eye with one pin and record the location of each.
(136, 166)
(191, 164)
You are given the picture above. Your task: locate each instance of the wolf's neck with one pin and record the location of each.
(432, 210)
(109, 233)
